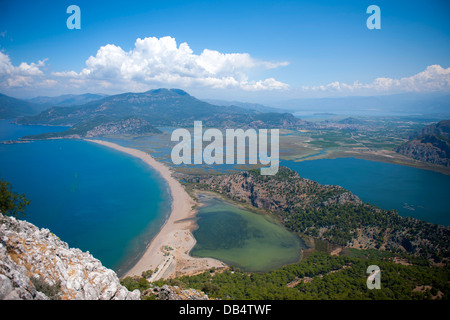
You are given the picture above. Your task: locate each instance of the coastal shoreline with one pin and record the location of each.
(168, 252)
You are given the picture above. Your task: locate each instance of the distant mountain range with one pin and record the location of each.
(245, 105)
(174, 107)
(67, 99)
(430, 144)
(11, 107)
(159, 107)
(436, 104)
(102, 126)
(395, 104)
(412, 103)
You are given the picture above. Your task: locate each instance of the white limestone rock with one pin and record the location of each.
(33, 259)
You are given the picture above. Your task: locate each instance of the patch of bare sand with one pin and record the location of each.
(168, 253)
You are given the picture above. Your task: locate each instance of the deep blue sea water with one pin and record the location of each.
(94, 198)
(413, 192)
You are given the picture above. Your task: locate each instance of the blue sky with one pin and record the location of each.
(286, 49)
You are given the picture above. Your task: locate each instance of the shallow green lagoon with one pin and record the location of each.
(250, 241)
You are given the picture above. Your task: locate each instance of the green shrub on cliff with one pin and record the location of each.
(133, 283)
(11, 203)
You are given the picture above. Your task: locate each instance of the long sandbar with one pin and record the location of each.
(168, 252)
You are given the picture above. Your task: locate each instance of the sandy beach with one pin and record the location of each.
(168, 252)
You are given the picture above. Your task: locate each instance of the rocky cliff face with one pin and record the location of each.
(36, 265)
(284, 190)
(428, 148)
(441, 128)
(430, 144)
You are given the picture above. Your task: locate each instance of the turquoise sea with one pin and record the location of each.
(413, 192)
(94, 198)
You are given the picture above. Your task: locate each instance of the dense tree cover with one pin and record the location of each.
(11, 203)
(340, 221)
(321, 276)
(343, 224)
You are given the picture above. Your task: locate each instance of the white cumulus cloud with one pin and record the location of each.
(433, 78)
(160, 61)
(24, 75)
